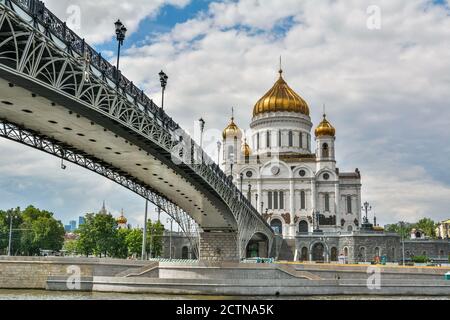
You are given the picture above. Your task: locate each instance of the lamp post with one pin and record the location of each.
(241, 179)
(11, 217)
(402, 224)
(144, 236)
(219, 145)
(170, 237)
(249, 195)
(256, 204)
(202, 129)
(366, 207)
(120, 36)
(262, 206)
(163, 79)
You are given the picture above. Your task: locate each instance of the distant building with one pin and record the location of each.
(67, 228)
(443, 229)
(81, 220)
(417, 234)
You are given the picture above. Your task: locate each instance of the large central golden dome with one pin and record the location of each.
(281, 98)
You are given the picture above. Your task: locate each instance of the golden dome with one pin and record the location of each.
(232, 131)
(281, 98)
(121, 219)
(246, 150)
(325, 128)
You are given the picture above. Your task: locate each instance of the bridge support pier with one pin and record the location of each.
(219, 246)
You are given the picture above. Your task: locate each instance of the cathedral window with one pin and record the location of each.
(281, 200)
(325, 151)
(268, 139)
(257, 141)
(302, 200)
(270, 206)
(279, 138)
(327, 202)
(300, 140)
(291, 139)
(349, 204)
(275, 200)
(308, 142)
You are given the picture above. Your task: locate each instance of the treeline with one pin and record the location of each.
(101, 237)
(32, 230)
(428, 226)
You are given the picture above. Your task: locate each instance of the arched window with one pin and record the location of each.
(268, 139)
(279, 138)
(308, 142)
(302, 200)
(304, 255)
(325, 151)
(334, 255)
(377, 251)
(276, 226)
(350, 229)
(300, 142)
(230, 152)
(281, 200)
(349, 204)
(291, 139)
(275, 200)
(257, 141)
(185, 253)
(269, 196)
(303, 226)
(327, 202)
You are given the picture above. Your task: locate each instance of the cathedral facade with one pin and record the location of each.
(289, 171)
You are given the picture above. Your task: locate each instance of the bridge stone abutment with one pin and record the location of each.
(219, 246)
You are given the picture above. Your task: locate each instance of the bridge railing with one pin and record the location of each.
(75, 44)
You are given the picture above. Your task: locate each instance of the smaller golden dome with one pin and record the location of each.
(246, 150)
(232, 131)
(325, 128)
(122, 219)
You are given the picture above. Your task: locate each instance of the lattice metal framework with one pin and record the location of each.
(36, 45)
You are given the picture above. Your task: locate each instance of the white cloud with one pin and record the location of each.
(98, 17)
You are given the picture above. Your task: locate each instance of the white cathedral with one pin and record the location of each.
(297, 189)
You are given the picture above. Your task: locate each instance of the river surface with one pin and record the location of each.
(64, 295)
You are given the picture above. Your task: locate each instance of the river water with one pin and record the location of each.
(64, 295)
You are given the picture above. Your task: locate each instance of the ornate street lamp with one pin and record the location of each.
(163, 79)
(120, 37)
(366, 207)
(202, 129)
(144, 233)
(249, 194)
(241, 179)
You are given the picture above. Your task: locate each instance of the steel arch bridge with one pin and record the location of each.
(60, 96)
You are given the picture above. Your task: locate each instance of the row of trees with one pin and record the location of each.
(33, 229)
(100, 236)
(427, 225)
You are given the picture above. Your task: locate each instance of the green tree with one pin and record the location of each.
(71, 246)
(402, 228)
(121, 248)
(98, 235)
(134, 242)
(86, 238)
(4, 230)
(428, 226)
(155, 238)
(40, 230)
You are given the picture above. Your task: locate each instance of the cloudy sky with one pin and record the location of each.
(381, 67)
